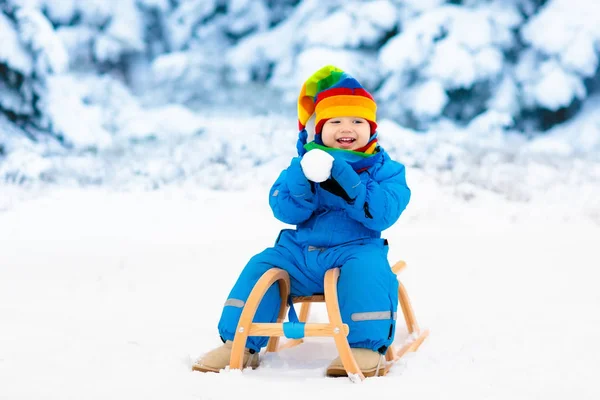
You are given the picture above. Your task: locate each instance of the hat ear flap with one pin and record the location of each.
(302, 136)
(306, 108)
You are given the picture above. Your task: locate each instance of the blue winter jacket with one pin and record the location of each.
(348, 206)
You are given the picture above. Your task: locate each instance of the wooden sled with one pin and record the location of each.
(335, 328)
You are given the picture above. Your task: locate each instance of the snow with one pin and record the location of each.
(38, 33)
(365, 24)
(164, 121)
(566, 52)
(488, 62)
(422, 4)
(63, 104)
(162, 5)
(126, 26)
(452, 65)
(504, 99)
(272, 45)
(108, 294)
(77, 42)
(580, 56)
(461, 48)
(247, 17)
(165, 146)
(14, 101)
(124, 34)
(575, 137)
(381, 13)
(62, 11)
(194, 52)
(557, 88)
(12, 51)
(428, 99)
(567, 19)
(23, 164)
(356, 64)
(407, 50)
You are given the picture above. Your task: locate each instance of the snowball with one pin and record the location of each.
(316, 165)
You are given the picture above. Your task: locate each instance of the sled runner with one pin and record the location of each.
(297, 328)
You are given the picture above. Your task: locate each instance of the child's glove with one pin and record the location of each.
(317, 165)
(297, 183)
(348, 179)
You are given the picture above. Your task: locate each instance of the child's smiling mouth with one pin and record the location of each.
(346, 141)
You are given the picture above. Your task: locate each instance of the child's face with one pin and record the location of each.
(349, 133)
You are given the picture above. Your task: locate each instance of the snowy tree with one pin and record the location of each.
(558, 66)
(53, 94)
(347, 34)
(16, 68)
(88, 76)
(445, 62)
(431, 61)
(197, 34)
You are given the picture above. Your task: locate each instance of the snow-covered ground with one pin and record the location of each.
(108, 294)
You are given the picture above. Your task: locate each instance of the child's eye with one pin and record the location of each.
(358, 121)
(335, 121)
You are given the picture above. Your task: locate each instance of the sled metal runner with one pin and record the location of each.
(335, 328)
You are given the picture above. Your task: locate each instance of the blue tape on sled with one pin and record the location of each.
(293, 330)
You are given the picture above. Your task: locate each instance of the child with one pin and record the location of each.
(339, 217)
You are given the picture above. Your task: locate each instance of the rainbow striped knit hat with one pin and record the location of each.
(330, 93)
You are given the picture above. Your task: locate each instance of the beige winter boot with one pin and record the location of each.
(217, 359)
(370, 362)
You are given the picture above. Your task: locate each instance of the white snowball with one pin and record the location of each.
(316, 165)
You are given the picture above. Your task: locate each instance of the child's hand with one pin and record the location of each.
(297, 183)
(316, 165)
(348, 179)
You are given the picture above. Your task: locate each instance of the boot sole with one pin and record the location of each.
(337, 372)
(204, 368)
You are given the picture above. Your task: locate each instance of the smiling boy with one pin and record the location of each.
(338, 223)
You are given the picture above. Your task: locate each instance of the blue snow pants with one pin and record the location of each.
(367, 288)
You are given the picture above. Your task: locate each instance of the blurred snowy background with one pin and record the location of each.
(501, 96)
(138, 139)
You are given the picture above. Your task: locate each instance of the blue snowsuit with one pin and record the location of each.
(338, 224)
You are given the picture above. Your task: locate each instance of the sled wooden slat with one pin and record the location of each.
(322, 330)
(241, 335)
(407, 310)
(319, 298)
(333, 311)
(412, 346)
(398, 267)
